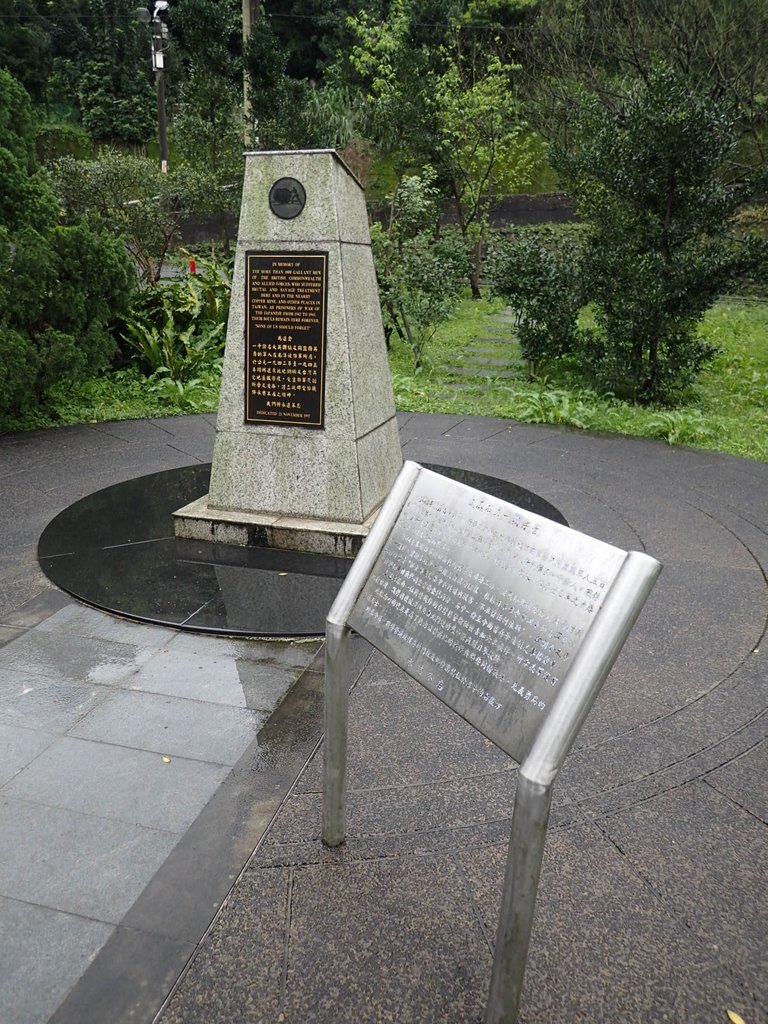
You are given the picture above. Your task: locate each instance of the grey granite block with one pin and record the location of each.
(76, 862)
(118, 783)
(19, 746)
(43, 953)
(172, 725)
(397, 947)
(604, 948)
(38, 702)
(676, 844)
(744, 779)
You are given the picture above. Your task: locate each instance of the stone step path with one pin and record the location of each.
(494, 355)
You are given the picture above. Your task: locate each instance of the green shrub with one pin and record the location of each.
(538, 270)
(130, 197)
(420, 281)
(176, 330)
(56, 139)
(646, 170)
(420, 276)
(59, 292)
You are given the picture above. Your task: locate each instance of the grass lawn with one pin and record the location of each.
(726, 411)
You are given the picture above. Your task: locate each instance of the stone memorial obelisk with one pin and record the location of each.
(307, 445)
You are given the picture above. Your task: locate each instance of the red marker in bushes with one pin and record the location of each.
(192, 265)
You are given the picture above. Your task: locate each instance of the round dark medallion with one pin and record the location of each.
(287, 198)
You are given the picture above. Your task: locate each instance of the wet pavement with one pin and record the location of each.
(160, 791)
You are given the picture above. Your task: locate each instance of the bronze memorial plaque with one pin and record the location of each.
(484, 604)
(285, 337)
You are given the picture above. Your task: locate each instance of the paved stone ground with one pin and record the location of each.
(652, 900)
(122, 748)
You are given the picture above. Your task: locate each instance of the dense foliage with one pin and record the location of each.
(539, 271)
(60, 285)
(655, 111)
(419, 276)
(659, 244)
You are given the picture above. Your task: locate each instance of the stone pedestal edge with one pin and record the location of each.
(199, 521)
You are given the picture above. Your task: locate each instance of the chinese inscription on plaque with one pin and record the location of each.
(285, 334)
(484, 604)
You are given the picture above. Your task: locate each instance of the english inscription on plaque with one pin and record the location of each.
(484, 604)
(285, 338)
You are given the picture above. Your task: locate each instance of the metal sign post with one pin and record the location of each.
(514, 622)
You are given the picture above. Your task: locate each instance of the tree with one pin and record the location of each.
(60, 286)
(646, 168)
(439, 98)
(130, 197)
(538, 271)
(207, 37)
(115, 91)
(483, 147)
(720, 46)
(25, 45)
(419, 275)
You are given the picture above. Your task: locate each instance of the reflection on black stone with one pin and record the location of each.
(115, 549)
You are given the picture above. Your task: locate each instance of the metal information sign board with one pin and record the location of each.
(513, 621)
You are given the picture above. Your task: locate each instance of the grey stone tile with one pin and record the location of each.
(118, 783)
(745, 780)
(283, 653)
(38, 609)
(181, 899)
(265, 686)
(79, 620)
(18, 589)
(128, 980)
(18, 747)
(679, 844)
(75, 862)
(179, 673)
(604, 948)
(8, 633)
(43, 952)
(484, 373)
(172, 725)
(482, 360)
(36, 702)
(67, 657)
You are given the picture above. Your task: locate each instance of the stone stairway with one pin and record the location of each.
(493, 355)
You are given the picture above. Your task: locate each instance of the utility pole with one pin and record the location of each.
(157, 17)
(250, 17)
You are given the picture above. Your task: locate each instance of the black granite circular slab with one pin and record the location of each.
(116, 549)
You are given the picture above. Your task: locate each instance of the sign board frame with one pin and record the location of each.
(538, 602)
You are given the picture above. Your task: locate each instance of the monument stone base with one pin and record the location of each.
(307, 442)
(199, 521)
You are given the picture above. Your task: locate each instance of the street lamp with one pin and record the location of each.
(157, 16)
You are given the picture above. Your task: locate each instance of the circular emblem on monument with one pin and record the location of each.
(287, 198)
